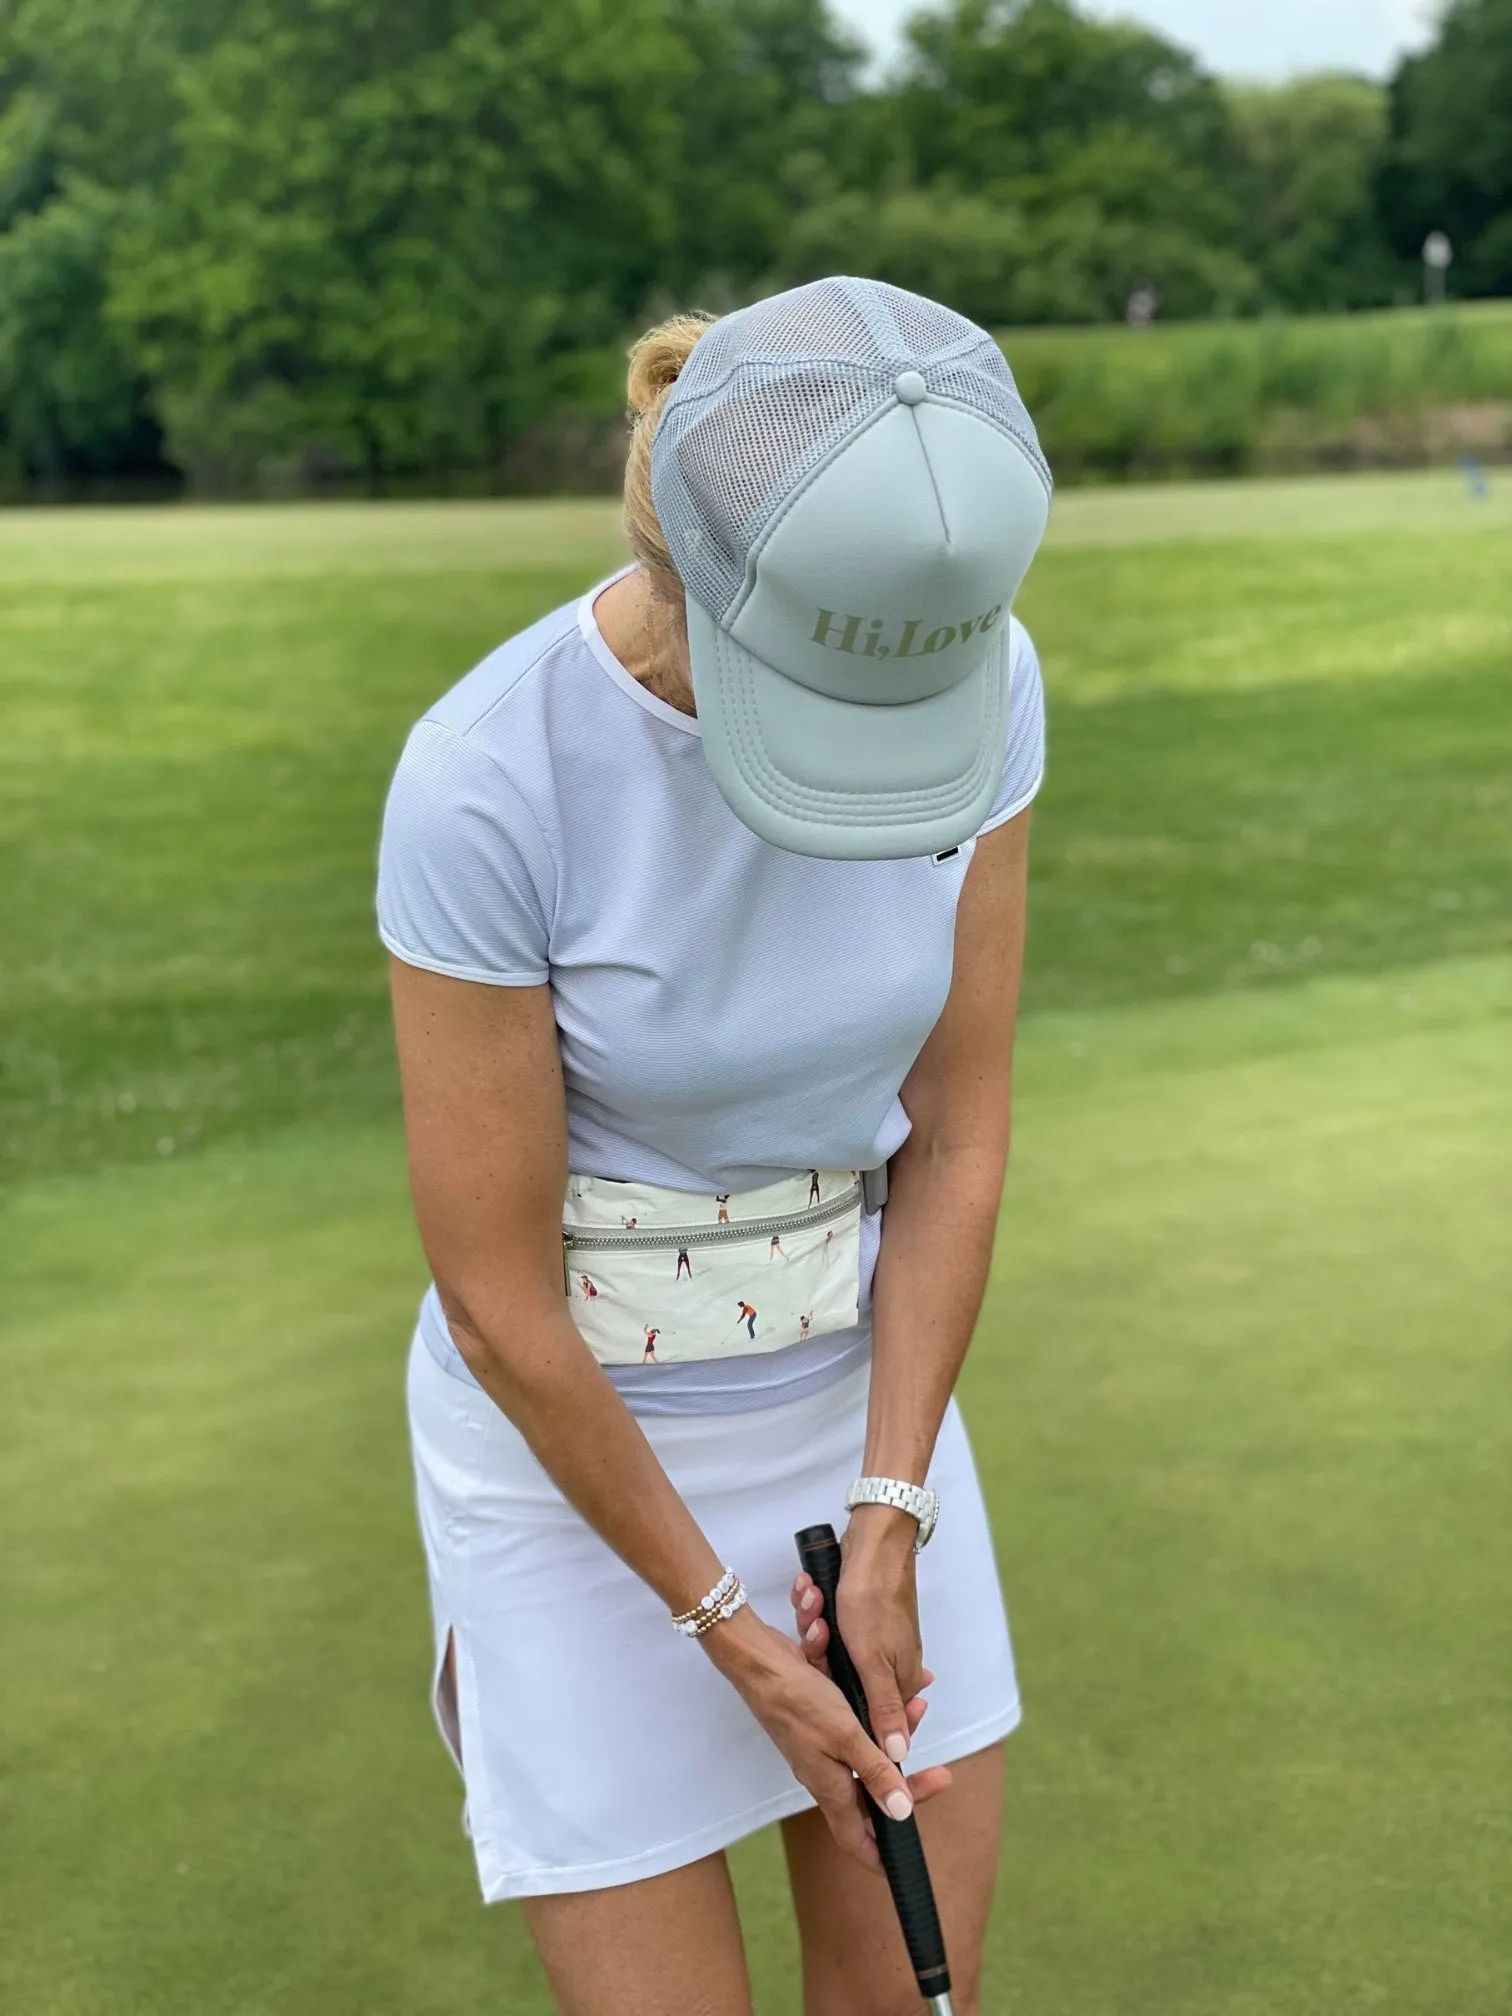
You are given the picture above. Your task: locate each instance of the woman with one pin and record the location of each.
(802, 723)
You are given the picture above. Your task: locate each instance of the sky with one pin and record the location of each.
(1270, 41)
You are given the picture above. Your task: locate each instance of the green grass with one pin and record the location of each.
(1240, 1394)
(1270, 756)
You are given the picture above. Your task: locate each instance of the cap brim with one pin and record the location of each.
(841, 779)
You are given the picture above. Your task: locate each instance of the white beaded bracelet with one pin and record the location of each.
(723, 1600)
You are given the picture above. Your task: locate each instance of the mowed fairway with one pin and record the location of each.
(1240, 1395)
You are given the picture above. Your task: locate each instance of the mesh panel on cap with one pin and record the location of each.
(737, 456)
(823, 320)
(771, 390)
(982, 380)
(925, 328)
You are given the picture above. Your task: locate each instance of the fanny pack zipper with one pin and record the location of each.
(623, 1239)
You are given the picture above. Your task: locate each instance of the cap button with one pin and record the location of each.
(910, 387)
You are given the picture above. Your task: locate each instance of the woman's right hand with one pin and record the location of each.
(812, 1724)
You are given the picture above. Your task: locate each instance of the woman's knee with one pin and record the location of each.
(668, 1943)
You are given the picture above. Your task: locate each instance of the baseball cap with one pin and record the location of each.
(851, 490)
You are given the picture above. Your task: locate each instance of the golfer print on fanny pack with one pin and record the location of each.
(679, 1264)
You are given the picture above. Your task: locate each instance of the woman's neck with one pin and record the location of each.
(649, 637)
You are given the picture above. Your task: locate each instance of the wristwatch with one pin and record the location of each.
(916, 1499)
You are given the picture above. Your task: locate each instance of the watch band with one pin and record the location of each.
(917, 1500)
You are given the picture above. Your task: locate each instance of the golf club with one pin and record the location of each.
(898, 1841)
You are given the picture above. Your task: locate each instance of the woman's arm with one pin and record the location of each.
(487, 1129)
(945, 1186)
(487, 1126)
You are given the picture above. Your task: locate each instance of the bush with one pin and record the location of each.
(961, 249)
(1400, 387)
(990, 261)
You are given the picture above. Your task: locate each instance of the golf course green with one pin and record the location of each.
(1240, 1393)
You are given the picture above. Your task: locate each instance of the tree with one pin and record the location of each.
(387, 222)
(392, 227)
(86, 86)
(1064, 163)
(391, 235)
(85, 125)
(1309, 151)
(1000, 90)
(988, 260)
(73, 400)
(764, 113)
(963, 250)
(1448, 161)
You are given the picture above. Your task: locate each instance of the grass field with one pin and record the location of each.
(1240, 1393)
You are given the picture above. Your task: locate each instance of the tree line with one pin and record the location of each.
(370, 237)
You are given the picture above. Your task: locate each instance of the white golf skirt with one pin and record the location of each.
(597, 1746)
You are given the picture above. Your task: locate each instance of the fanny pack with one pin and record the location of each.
(658, 1276)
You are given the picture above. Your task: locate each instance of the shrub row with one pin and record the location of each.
(1399, 388)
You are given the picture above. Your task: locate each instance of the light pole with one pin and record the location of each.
(1438, 257)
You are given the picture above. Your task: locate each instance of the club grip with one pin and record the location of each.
(898, 1842)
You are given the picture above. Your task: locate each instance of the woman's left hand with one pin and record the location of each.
(879, 1618)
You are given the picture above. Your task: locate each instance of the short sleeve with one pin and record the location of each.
(1024, 761)
(466, 882)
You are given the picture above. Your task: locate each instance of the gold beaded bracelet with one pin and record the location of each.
(736, 1600)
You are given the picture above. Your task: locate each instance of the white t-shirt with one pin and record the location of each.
(728, 1012)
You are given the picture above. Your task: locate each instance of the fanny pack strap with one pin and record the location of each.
(874, 1189)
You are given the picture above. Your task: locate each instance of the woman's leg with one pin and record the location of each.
(669, 1944)
(854, 1962)
(641, 1949)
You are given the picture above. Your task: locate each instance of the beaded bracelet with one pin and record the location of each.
(736, 1600)
(690, 1620)
(723, 1600)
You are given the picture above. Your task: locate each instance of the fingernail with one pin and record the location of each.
(813, 1630)
(896, 1748)
(810, 1600)
(898, 1805)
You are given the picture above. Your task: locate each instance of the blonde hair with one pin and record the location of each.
(655, 361)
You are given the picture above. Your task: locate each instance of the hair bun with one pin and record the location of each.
(657, 359)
